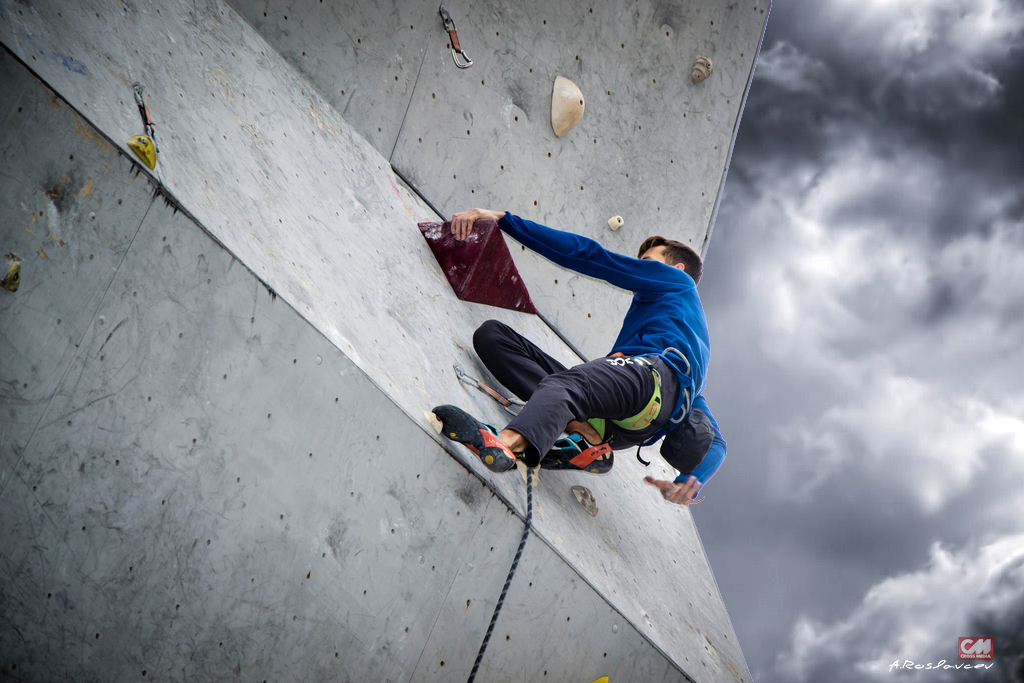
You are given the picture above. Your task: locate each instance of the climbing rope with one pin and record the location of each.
(511, 572)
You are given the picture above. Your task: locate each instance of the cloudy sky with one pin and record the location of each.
(865, 291)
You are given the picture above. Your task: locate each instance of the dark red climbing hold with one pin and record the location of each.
(479, 269)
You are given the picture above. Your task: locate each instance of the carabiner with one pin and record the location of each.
(506, 403)
(457, 50)
(147, 118)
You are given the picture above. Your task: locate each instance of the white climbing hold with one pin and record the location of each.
(566, 105)
(701, 69)
(615, 222)
(434, 422)
(585, 498)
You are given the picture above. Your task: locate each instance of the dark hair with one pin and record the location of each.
(676, 252)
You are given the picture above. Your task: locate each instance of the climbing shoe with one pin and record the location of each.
(482, 439)
(576, 453)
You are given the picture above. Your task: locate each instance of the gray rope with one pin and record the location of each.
(511, 572)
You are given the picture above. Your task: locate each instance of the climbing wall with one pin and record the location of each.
(213, 461)
(652, 146)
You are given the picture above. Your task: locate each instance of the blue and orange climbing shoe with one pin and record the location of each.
(482, 439)
(576, 453)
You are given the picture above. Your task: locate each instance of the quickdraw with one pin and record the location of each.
(506, 403)
(144, 145)
(147, 118)
(457, 51)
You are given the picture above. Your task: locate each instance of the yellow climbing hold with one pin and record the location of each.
(489, 459)
(12, 279)
(144, 148)
(602, 679)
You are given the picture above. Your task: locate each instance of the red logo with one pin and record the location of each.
(975, 648)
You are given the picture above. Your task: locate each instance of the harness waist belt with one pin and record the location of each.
(645, 417)
(649, 414)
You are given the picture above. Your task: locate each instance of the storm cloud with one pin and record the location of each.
(978, 593)
(865, 293)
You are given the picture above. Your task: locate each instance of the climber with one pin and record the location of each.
(647, 388)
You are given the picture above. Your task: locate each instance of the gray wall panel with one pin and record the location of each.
(69, 210)
(652, 146)
(199, 504)
(645, 557)
(553, 626)
(278, 177)
(363, 57)
(285, 184)
(216, 488)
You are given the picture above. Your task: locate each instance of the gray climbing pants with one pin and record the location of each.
(610, 388)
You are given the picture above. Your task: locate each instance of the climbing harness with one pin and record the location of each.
(506, 403)
(649, 414)
(457, 50)
(646, 417)
(144, 145)
(511, 573)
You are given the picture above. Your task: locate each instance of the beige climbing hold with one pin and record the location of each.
(585, 498)
(566, 105)
(12, 279)
(434, 422)
(701, 69)
(615, 222)
(521, 466)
